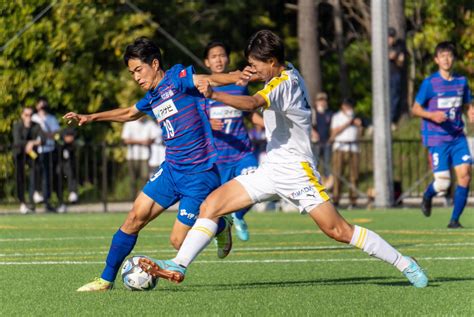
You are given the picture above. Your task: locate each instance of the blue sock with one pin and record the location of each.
(220, 225)
(241, 213)
(430, 192)
(122, 245)
(460, 199)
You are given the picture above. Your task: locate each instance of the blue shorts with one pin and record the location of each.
(246, 165)
(167, 186)
(450, 154)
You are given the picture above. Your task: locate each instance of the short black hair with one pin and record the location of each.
(265, 45)
(143, 49)
(42, 99)
(348, 101)
(445, 46)
(213, 44)
(392, 32)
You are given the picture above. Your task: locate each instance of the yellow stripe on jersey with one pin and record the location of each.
(362, 235)
(313, 180)
(204, 230)
(272, 84)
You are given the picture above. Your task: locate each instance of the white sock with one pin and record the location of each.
(375, 246)
(196, 240)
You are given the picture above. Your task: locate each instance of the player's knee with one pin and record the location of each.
(207, 210)
(134, 223)
(442, 181)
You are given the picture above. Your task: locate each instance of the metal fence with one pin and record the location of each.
(101, 172)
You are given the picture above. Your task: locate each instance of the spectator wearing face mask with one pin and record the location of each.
(345, 132)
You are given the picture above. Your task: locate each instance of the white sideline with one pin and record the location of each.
(245, 261)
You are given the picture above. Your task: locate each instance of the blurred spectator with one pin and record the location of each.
(345, 132)
(396, 55)
(68, 160)
(49, 169)
(257, 135)
(321, 122)
(26, 138)
(138, 136)
(158, 149)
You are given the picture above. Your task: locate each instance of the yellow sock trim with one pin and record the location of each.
(204, 230)
(362, 235)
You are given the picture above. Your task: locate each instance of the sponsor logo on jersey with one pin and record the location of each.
(466, 158)
(167, 94)
(182, 73)
(307, 191)
(165, 110)
(449, 102)
(184, 213)
(225, 112)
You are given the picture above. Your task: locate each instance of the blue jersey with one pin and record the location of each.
(177, 105)
(232, 142)
(449, 96)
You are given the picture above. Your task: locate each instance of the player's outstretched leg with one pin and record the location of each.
(336, 227)
(166, 269)
(240, 225)
(121, 246)
(224, 237)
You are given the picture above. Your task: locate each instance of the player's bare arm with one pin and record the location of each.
(435, 116)
(116, 115)
(245, 103)
(218, 79)
(470, 113)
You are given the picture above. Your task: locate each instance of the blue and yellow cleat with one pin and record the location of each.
(241, 228)
(415, 274)
(97, 285)
(166, 269)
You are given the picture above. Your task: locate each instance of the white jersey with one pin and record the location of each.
(287, 118)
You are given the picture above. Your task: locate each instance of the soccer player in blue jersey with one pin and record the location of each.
(288, 171)
(440, 103)
(230, 134)
(188, 174)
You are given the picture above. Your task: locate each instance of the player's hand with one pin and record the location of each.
(205, 88)
(75, 117)
(216, 124)
(29, 146)
(438, 117)
(248, 74)
(470, 114)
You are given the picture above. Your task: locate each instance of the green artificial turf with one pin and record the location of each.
(288, 268)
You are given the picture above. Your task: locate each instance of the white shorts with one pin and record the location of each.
(298, 183)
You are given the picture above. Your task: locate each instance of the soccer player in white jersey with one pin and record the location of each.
(289, 171)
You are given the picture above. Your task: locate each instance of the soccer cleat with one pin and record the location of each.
(61, 209)
(166, 269)
(426, 206)
(241, 228)
(454, 224)
(224, 239)
(37, 197)
(415, 274)
(24, 209)
(97, 285)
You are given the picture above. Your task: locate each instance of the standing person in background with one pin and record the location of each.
(68, 160)
(397, 58)
(439, 103)
(26, 139)
(321, 131)
(157, 151)
(345, 132)
(49, 169)
(138, 136)
(230, 134)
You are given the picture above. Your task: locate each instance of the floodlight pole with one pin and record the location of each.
(383, 168)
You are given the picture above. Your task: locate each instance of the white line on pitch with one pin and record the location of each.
(288, 248)
(244, 261)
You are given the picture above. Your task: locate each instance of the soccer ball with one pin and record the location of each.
(134, 278)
